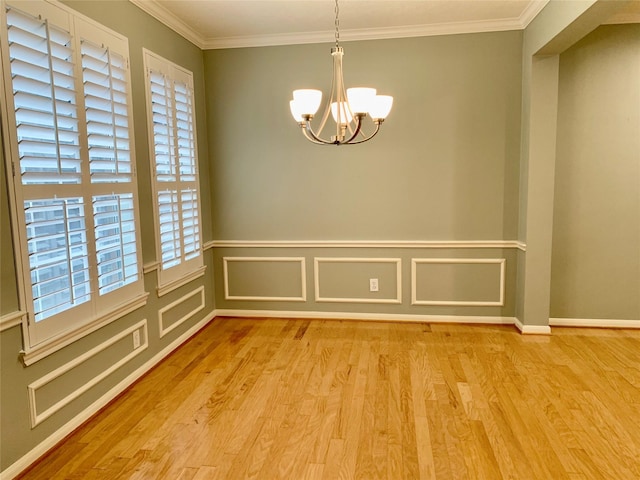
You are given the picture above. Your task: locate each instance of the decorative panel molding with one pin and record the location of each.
(500, 286)
(356, 260)
(38, 417)
(164, 328)
(228, 261)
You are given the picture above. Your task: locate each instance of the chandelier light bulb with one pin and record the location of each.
(361, 99)
(307, 100)
(381, 107)
(295, 111)
(345, 114)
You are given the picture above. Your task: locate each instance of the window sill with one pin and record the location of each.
(32, 355)
(177, 283)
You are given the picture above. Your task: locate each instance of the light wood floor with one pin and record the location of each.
(296, 399)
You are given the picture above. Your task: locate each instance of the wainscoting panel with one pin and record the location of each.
(453, 280)
(180, 310)
(61, 386)
(346, 280)
(265, 278)
(458, 281)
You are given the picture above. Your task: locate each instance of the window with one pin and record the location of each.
(172, 139)
(69, 115)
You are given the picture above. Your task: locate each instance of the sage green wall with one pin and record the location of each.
(596, 224)
(17, 438)
(443, 167)
(556, 28)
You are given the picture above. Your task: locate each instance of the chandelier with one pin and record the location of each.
(348, 108)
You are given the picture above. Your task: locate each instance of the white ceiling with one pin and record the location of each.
(243, 23)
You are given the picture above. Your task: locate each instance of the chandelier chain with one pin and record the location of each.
(337, 23)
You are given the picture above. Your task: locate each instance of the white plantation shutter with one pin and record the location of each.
(190, 223)
(172, 121)
(116, 250)
(105, 92)
(44, 100)
(169, 214)
(163, 127)
(184, 131)
(104, 76)
(58, 256)
(69, 91)
(48, 141)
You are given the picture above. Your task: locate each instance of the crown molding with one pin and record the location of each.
(164, 16)
(363, 34)
(531, 12)
(172, 21)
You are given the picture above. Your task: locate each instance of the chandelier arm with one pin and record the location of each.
(325, 116)
(311, 136)
(344, 99)
(366, 138)
(327, 109)
(339, 97)
(357, 130)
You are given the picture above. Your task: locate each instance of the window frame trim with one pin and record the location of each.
(189, 270)
(36, 347)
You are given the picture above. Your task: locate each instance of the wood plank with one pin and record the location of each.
(309, 399)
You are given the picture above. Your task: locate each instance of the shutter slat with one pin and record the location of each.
(18, 19)
(105, 117)
(26, 103)
(45, 178)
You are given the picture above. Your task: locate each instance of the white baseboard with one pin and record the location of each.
(385, 317)
(20, 465)
(594, 322)
(532, 329)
